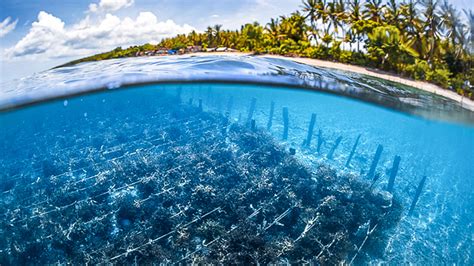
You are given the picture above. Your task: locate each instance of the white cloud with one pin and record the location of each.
(263, 3)
(49, 37)
(6, 27)
(110, 5)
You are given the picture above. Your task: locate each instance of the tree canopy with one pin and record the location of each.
(424, 40)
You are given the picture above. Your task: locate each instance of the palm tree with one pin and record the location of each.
(310, 8)
(411, 25)
(373, 10)
(294, 27)
(323, 13)
(451, 22)
(387, 48)
(194, 38)
(233, 38)
(210, 36)
(431, 27)
(392, 14)
(251, 36)
(217, 33)
(332, 16)
(341, 16)
(454, 31)
(355, 17)
(293, 31)
(336, 15)
(225, 38)
(470, 26)
(273, 30)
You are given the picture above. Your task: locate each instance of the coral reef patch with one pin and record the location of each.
(192, 186)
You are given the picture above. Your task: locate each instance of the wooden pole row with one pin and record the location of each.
(372, 174)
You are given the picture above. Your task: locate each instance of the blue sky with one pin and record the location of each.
(38, 34)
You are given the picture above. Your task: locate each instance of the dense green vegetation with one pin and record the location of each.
(425, 40)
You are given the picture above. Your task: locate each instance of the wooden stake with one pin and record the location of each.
(417, 195)
(334, 147)
(270, 118)
(352, 151)
(375, 161)
(393, 173)
(320, 141)
(285, 123)
(251, 110)
(307, 143)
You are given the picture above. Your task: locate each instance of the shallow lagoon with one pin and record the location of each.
(100, 151)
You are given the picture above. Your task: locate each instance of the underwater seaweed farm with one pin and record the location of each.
(223, 173)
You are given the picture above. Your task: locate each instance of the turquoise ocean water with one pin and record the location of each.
(85, 149)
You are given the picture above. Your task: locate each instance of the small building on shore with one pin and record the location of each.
(221, 49)
(193, 49)
(161, 51)
(224, 49)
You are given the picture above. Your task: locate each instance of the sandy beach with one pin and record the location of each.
(421, 85)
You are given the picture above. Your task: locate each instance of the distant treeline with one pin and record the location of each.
(424, 40)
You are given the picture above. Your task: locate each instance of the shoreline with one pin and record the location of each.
(421, 85)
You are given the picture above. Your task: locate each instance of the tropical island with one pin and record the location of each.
(426, 40)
